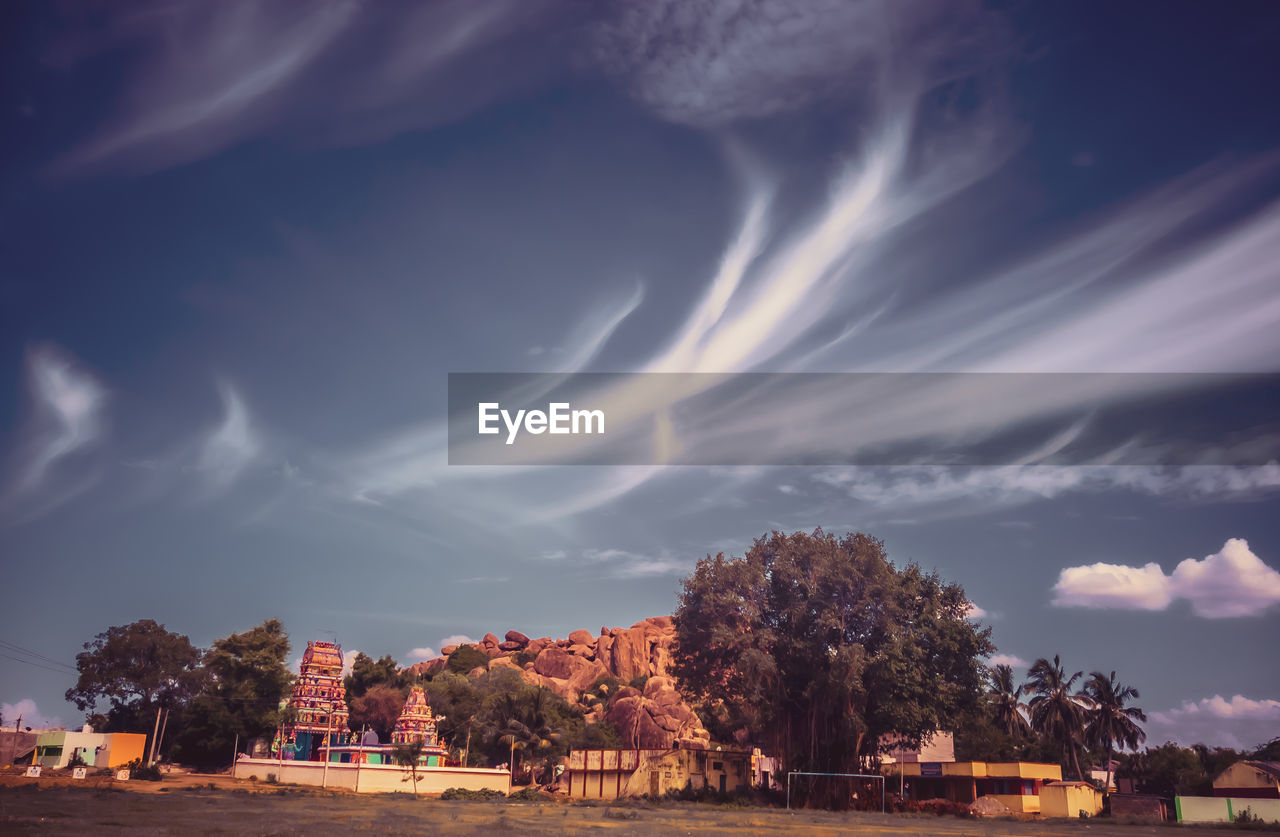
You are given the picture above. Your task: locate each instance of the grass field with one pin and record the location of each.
(222, 807)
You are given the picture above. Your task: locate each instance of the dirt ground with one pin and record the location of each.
(220, 805)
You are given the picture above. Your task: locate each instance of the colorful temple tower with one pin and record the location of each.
(318, 706)
(416, 723)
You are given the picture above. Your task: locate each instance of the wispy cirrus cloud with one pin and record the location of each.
(1231, 583)
(66, 418)
(232, 445)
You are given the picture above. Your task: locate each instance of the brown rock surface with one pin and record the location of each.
(516, 636)
(581, 637)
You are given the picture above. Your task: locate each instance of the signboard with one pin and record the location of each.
(122, 775)
(610, 760)
(34, 771)
(630, 760)
(930, 768)
(578, 760)
(593, 759)
(79, 772)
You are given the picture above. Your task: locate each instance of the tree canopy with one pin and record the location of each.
(821, 647)
(135, 669)
(245, 678)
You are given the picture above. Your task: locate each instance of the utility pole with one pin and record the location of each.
(328, 725)
(164, 726)
(235, 751)
(151, 758)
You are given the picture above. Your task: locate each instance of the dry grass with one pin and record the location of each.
(217, 805)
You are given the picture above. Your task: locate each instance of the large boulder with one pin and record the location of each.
(581, 637)
(629, 655)
(516, 636)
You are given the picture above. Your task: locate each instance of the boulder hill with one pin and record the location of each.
(653, 717)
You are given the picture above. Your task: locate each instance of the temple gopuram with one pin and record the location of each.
(416, 723)
(318, 707)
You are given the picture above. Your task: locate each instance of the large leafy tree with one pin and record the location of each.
(135, 669)
(1056, 711)
(1110, 720)
(246, 678)
(1006, 702)
(367, 672)
(820, 646)
(378, 709)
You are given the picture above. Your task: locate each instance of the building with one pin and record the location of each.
(610, 774)
(1016, 784)
(315, 747)
(1249, 780)
(317, 710)
(96, 749)
(941, 746)
(1070, 799)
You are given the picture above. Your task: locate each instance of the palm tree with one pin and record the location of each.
(1010, 711)
(1110, 722)
(1055, 711)
(517, 736)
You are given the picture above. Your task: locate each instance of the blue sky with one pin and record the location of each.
(242, 245)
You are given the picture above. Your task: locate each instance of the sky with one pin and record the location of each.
(243, 245)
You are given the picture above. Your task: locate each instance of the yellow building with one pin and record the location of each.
(1070, 799)
(1016, 784)
(1249, 780)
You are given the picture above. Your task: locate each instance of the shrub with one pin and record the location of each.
(145, 772)
(468, 795)
(529, 794)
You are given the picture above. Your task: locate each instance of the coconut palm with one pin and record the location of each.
(1010, 712)
(1056, 712)
(1110, 722)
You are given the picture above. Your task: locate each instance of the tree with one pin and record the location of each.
(378, 708)
(408, 755)
(136, 669)
(246, 678)
(1110, 722)
(1055, 711)
(465, 658)
(367, 672)
(1010, 711)
(821, 647)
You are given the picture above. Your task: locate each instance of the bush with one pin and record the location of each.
(466, 657)
(529, 794)
(467, 795)
(145, 772)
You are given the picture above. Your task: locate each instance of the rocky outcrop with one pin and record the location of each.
(654, 717)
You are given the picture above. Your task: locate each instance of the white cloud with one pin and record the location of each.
(972, 611)
(1240, 722)
(69, 404)
(418, 655)
(788, 489)
(458, 639)
(232, 445)
(1232, 582)
(1012, 660)
(31, 716)
(348, 659)
(1113, 585)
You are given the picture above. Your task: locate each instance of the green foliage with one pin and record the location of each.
(1056, 712)
(1269, 751)
(821, 646)
(1171, 770)
(1109, 720)
(378, 708)
(465, 658)
(466, 795)
(523, 658)
(526, 795)
(638, 681)
(409, 755)
(135, 669)
(245, 679)
(367, 672)
(145, 772)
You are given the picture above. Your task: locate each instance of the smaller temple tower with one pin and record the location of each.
(416, 723)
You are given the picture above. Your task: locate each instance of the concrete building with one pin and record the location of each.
(371, 778)
(97, 749)
(1016, 784)
(1249, 780)
(610, 774)
(1070, 799)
